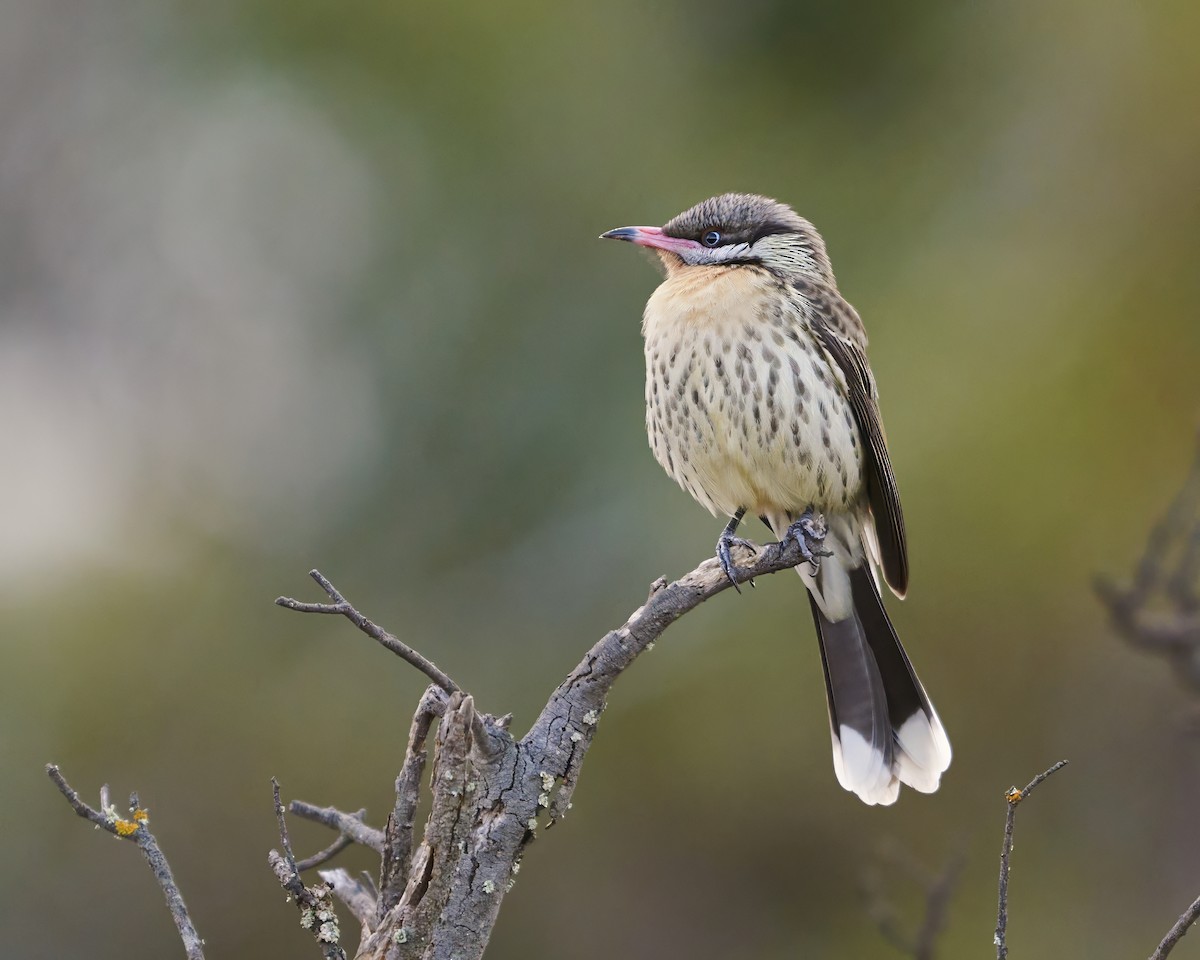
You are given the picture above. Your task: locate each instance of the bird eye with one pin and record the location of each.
(711, 239)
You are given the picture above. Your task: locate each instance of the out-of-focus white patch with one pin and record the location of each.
(171, 353)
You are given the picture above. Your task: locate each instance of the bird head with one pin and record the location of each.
(736, 229)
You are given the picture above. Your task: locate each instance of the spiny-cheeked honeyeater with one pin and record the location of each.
(760, 400)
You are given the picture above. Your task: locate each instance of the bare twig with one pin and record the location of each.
(1176, 933)
(938, 889)
(349, 825)
(937, 902)
(137, 830)
(316, 908)
(376, 632)
(1014, 797)
(1159, 610)
(322, 857)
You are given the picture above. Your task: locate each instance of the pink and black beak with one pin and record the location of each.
(653, 237)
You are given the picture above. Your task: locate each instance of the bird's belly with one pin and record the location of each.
(751, 417)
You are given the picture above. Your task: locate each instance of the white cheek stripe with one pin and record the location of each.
(698, 256)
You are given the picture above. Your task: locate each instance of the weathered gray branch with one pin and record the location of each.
(324, 856)
(315, 904)
(357, 894)
(137, 830)
(398, 836)
(349, 825)
(491, 792)
(1176, 933)
(372, 630)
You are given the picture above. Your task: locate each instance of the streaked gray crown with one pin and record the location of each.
(740, 218)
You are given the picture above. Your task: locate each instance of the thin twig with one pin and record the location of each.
(1159, 610)
(347, 824)
(137, 830)
(1175, 934)
(938, 890)
(1014, 797)
(937, 902)
(324, 856)
(316, 908)
(342, 607)
(285, 839)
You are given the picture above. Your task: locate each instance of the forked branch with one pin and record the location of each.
(1159, 609)
(937, 889)
(136, 828)
(1013, 797)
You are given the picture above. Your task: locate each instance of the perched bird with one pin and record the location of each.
(759, 399)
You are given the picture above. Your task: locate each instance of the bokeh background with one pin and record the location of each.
(295, 284)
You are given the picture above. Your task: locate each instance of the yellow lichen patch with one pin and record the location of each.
(125, 828)
(1013, 795)
(141, 815)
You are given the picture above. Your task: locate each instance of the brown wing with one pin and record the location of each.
(882, 493)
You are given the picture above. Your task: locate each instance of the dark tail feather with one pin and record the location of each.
(885, 731)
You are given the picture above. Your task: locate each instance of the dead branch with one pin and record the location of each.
(358, 895)
(316, 907)
(1176, 933)
(1159, 610)
(372, 630)
(327, 854)
(137, 830)
(350, 825)
(937, 888)
(398, 835)
(1014, 797)
(490, 791)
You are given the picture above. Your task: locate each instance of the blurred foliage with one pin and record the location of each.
(304, 283)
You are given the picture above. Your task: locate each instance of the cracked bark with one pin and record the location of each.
(491, 791)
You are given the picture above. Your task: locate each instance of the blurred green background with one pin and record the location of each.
(302, 284)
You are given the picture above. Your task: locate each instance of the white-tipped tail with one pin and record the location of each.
(884, 729)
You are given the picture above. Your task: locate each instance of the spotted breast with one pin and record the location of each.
(743, 407)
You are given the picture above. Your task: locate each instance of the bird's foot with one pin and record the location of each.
(808, 531)
(729, 540)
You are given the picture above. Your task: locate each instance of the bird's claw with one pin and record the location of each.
(729, 540)
(808, 531)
